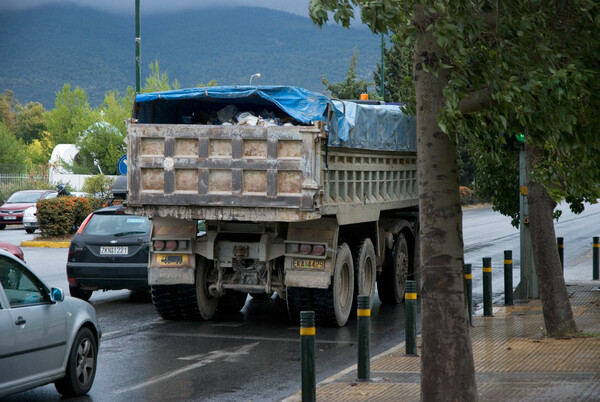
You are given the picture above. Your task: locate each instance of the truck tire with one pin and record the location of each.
(334, 305)
(392, 280)
(297, 300)
(232, 301)
(365, 271)
(207, 304)
(165, 301)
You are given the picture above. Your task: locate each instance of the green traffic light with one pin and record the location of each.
(520, 137)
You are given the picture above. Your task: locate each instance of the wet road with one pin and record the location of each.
(255, 355)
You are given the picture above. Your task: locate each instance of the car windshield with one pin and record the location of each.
(21, 196)
(116, 225)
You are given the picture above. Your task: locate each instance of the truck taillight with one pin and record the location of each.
(318, 249)
(85, 222)
(305, 248)
(171, 245)
(158, 245)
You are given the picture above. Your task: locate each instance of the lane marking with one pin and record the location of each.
(243, 337)
(228, 355)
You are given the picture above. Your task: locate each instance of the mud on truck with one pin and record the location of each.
(257, 190)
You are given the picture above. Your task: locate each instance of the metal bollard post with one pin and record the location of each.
(560, 242)
(307, 337)
(364, 337)
(410, 317)
(596, 249)
(469, 291)
(487, 287)
(508, 278)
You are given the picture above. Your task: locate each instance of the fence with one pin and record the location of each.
(18, 179)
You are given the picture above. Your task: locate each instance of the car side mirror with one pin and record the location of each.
(57, 295)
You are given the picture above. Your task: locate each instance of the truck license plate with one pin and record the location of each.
(120, 250)
(306, 263)
(172, 260)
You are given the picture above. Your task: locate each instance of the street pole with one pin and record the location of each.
(528, 287)
(382, 69)
(138, 43)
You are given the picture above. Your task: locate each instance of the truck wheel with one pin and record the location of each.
(333, 305)
(207, 304)
(81, 366)
(165, 301)
(232, 301)
(392, 280)
(80, 293)
(365, 271)
(297, 300)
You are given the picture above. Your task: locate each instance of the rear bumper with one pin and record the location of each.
(102, 276)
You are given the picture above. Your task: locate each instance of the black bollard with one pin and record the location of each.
(469, 291)
(307, 337)
(508, 278)
(364, 337)
(560, 242)
(595, 250)
(410, 317)
(487, 287)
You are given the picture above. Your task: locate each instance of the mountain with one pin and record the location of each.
(43, 48)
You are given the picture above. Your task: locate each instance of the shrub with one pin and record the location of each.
(62, 215)
(466, 195)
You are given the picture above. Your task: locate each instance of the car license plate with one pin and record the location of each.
(10, 218)
(116, 250)
(307, 263)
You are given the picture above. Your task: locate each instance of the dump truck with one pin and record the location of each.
(273, 191)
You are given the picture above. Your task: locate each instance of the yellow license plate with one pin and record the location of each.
(172, 260)
(306, 263)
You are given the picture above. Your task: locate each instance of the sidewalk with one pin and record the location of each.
(514, 361)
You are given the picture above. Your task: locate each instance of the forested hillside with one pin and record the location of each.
(43, 48)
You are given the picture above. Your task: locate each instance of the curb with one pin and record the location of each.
(51, 244)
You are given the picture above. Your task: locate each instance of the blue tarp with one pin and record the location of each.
(352, 125)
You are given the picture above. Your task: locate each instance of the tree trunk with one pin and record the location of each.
(447, 368)
(556, 306)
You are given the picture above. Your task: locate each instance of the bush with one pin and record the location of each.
(62, 215)
(99, 185)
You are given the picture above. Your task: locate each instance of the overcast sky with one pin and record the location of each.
(152, 6)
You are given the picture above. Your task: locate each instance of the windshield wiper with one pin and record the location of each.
(127, 233)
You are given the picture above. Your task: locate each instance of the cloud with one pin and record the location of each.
(157, 6)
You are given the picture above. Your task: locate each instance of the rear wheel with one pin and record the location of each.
(164, 299)
(81, 366)
(365, 269)
(80, 293)
(30, 231)
(392, 280)
(333, 305)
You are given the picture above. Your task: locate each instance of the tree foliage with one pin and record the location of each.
(397, 80)
(351, 87)
(11, 151)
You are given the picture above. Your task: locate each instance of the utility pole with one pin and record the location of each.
(382, 68)
(528, 287)
(138, 43)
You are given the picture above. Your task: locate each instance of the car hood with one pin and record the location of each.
(17, 206)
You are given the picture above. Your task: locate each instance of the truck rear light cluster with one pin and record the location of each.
(171, 245)
(305, 249)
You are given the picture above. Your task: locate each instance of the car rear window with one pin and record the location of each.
(25, 197)
(117, 225)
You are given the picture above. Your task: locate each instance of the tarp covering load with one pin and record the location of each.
(351, 125)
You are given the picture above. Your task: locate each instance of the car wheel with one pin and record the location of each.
(81, 366)
(30, 231)
(2, 226)
(80, 293)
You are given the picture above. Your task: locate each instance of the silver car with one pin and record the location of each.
(44, 336)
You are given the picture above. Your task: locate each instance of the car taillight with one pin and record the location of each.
(85, 222)
(159, 245)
